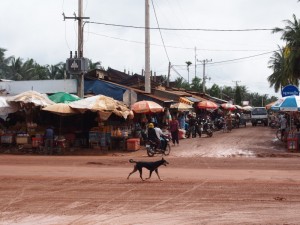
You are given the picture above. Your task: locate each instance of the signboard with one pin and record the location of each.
(289, 90)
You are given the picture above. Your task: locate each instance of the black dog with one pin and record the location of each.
(151, 166)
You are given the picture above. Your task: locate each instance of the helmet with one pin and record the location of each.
(150, 125)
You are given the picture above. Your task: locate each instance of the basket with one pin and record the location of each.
(133, 144)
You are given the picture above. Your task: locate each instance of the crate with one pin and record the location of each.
(7, 139)
(133, 144)
(292, 144)
(20, 140)
(36, 142)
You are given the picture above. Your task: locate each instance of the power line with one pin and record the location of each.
(183, 29)
(177, 47)
(232, 60)
(160, 31)
(247, 57)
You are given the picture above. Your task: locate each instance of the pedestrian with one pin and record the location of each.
(49, 139)
(174, 128)
(283, 126)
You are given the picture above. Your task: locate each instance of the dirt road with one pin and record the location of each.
(242, 177)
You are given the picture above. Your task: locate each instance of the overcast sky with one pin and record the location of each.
(36, 29)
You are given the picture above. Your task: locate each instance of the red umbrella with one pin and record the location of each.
(228, 106)
(146, 107)
(207, 105)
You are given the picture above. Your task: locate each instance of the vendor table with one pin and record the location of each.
(118, 142)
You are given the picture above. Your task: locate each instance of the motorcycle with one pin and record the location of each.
(152, 148)
(219, 123)
(206, 128)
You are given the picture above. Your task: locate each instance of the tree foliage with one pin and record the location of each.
(285, 62)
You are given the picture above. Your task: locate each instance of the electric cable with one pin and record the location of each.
(184, 29)
(160, 31)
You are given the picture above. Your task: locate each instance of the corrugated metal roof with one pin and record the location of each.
(179, 93)
(193, 99)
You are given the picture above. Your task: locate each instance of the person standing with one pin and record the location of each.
(49, 139)
(174, 129)
(283, 126)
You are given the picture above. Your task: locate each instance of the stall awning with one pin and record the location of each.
(185, 100)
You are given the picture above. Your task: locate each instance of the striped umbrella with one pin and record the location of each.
(207, 105)
(146, 107)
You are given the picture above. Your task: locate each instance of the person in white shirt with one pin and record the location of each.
(283, 125)
(160, 136)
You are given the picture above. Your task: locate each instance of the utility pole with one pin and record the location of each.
(195, 62)
(169, 72)
(204, 61)
(79, 47)
(236, 82)
(147, 48)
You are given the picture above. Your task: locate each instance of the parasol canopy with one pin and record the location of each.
(63, 97)
(7, 107)
(103, 105)
(146, 107)
(238, 107)
(33, 97)
(287, 104)
(247, 108)
(181, 106)
(60, 109)
(207, 105)
(268, 106)
(228, 106)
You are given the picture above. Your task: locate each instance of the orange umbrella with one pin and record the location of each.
(146, 107)
(207, 105)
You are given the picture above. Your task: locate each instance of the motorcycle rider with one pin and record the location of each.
(160, 136)
(152, 135)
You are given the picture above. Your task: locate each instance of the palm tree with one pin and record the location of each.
(94, 65)
(291, 34)
(4, 68)
(188, 63)
(280, 76)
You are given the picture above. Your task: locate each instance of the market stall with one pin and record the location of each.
(113, 125)
(22, 125)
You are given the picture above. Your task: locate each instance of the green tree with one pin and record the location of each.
(238, 95)
(196, 84)
(280, 76)
(94, 65)
(291, 34)
(181, 83)
(188, 64)
(215, 91)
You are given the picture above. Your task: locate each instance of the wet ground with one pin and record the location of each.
(242, 177)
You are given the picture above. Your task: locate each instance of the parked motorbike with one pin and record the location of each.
(219, 123)
(206, 128)
(152, 148)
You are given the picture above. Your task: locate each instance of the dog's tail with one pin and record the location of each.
(132, 161)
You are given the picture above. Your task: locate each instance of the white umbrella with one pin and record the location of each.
(247, 108)
(33, 97)
(103, 104)
(7, 107)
